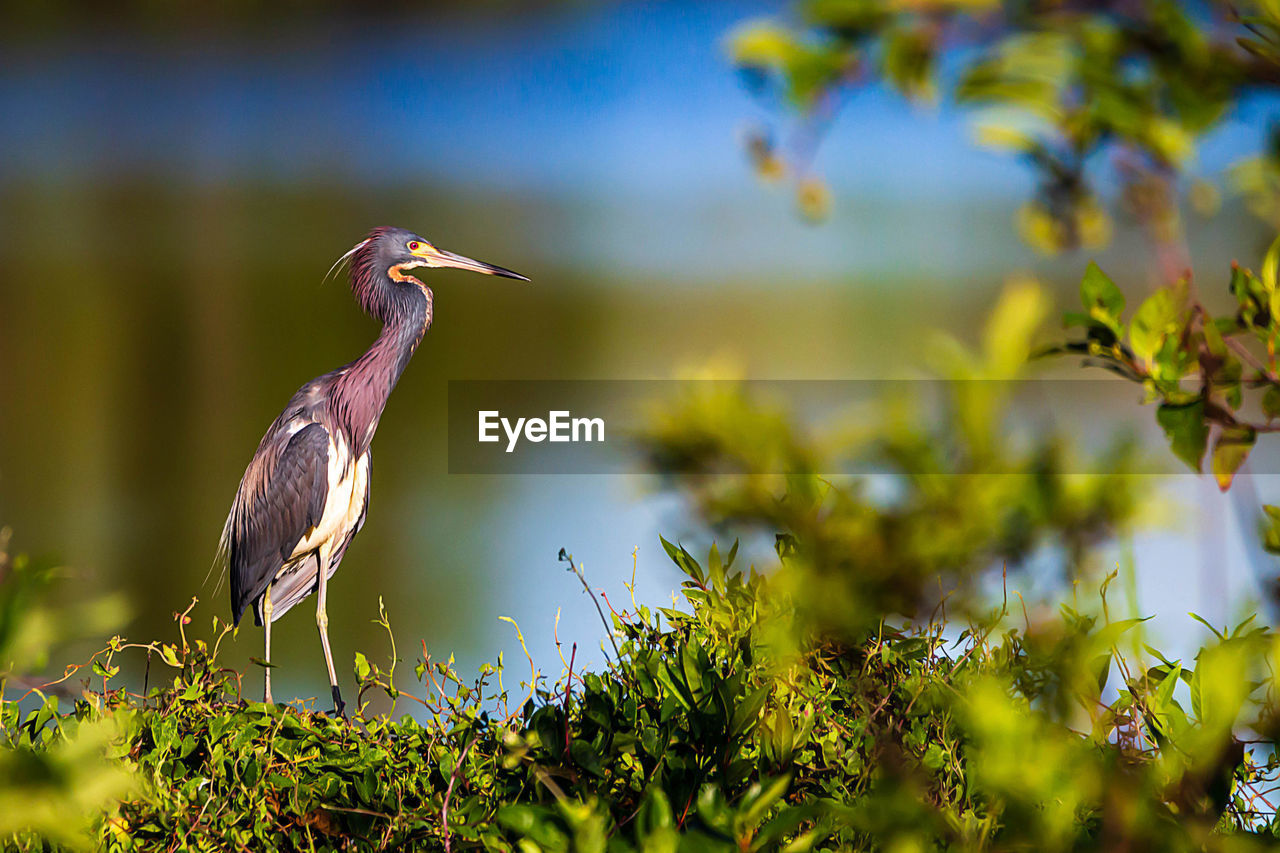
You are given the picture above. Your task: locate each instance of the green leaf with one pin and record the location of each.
(1270, 264)
(1186, 430)
(1220, 685)
(747, 713)
(99, 668)
(1011, 327)
(690, 662)
(761, 43)
(1213, 339)
(1271, 533)
(1229, 453)
(1101, 667)
(585, 755)
(673, 685)
(655, 812)
(519, 819)
(1101, 298)
(1154, 319)
(1271, 402)
(169, 655)
(684, 560)
(1170, 719)
(1207, 624)
(761, 798)
(783, 735)
(1110, 633)
(1164, 694)
(715, 567)
(1164, 698)
(1252, 296)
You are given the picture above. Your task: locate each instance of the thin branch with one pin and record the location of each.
(1241, 350)
(566, 557)
(453, 777)
(565, 702)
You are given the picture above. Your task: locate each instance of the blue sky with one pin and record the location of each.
(620, 98)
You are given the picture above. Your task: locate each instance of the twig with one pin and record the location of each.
(533, 670)
(350, 810)
(566, 557)
(573, 653)
(548, 783)
(1241, 350)
(609, 604)
(199, 817)
(453, 777)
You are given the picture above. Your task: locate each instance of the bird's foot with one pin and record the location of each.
(339, 707)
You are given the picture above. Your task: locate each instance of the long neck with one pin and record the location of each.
(361, 392)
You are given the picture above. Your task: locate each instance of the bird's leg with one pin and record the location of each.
(266, 654)
(322, 622)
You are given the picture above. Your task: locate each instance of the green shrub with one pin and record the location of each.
(728, 724)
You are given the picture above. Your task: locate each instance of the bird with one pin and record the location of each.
(305, 493)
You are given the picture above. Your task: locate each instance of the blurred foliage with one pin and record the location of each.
(1214, 379)
(1208, 374)
(29, 625)
(1057, 84)
(55, 776)
(961, 493)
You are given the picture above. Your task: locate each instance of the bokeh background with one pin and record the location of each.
(173, 189)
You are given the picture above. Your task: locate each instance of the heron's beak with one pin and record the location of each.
(434, 257)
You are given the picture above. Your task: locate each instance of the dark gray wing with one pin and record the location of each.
(281, 498)
(300, 579)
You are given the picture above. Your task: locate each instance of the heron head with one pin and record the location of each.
(396, 251)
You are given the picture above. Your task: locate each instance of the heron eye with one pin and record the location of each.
(414, 246)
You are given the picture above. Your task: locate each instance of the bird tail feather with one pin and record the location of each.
(221, 557)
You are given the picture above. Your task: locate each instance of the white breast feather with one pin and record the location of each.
(343, 503)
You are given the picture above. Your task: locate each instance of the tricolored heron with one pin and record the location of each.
(306, 491)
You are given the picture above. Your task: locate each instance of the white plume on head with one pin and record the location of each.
(357, 247)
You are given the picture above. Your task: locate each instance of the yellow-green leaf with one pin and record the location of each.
(1154, 319)
(1229, 453)
(1101, 298)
